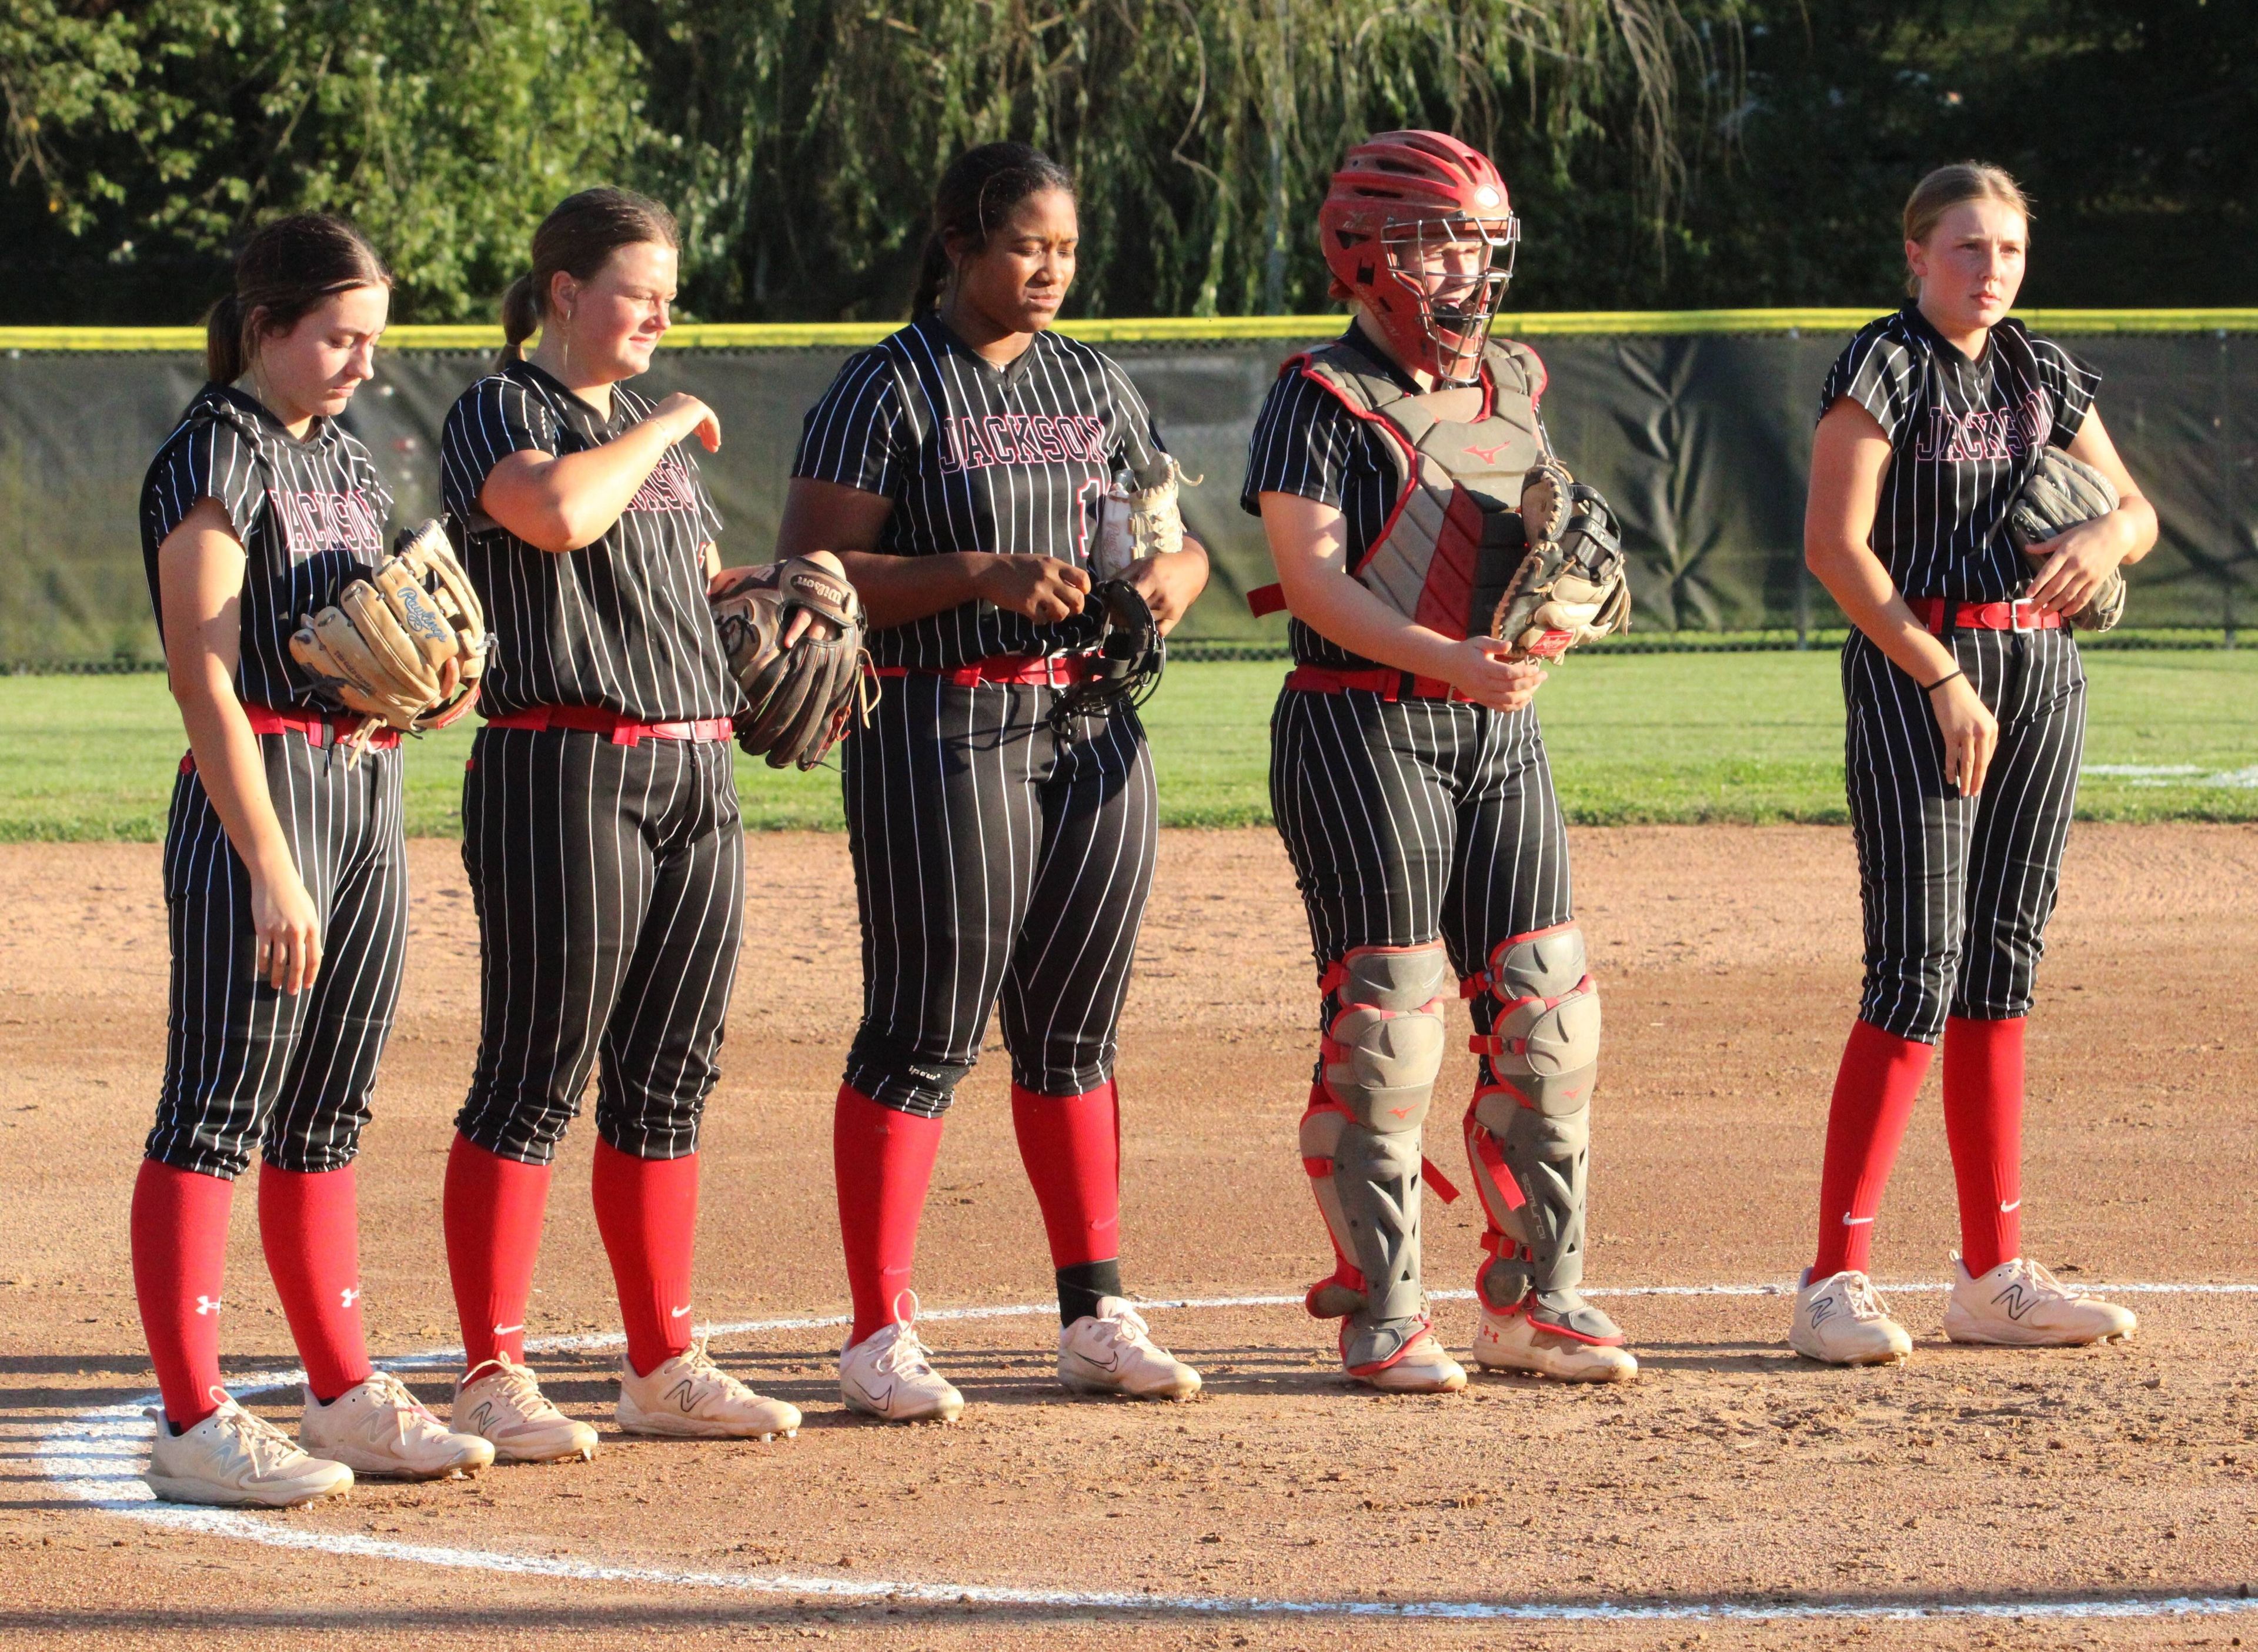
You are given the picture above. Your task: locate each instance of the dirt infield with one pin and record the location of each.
(1730, 1474)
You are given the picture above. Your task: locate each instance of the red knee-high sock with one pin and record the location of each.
(180, 1253)
(882, 1159)
(647, 1211)
(1984, 1123)
(1874, 1090)
(310, 1226)
(491, 1209)
(1071, 1146)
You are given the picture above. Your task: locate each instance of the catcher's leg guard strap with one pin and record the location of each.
(1383, 1044)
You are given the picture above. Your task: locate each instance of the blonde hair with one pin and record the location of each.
(1947, 187)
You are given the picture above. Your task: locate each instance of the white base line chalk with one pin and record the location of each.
(98, 1456)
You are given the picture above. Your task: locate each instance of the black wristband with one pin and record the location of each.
(1931, 688)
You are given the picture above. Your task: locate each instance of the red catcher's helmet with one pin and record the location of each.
(1418, 230)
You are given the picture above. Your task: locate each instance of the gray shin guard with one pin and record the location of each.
(1382, 1055)
(1528, 1139)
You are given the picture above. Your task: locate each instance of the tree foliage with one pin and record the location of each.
(1661, 152)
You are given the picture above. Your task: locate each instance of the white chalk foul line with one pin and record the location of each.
(98, 1457)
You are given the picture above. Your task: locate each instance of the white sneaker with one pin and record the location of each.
(235, 1460)
(378, 1428)
(1112, 1351)
(1839, 1321)
(2019, 1304)
(1514, 1342)
(690, 1398)
(1423, 1367)
(887, 1375)
(502, 1402)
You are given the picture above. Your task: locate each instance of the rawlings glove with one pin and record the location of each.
(797, 699)
(2062, 492)
(404, 647)
(1131, 653)
(1571, 586)
(1138, 518)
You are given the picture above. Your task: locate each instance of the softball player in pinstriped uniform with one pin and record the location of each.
(600, 828)
(1409, 782)
(285, 884)
(1966, 715)
(959, 469)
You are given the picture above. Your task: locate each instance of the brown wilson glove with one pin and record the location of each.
(406, 646)
(797, 699)
(2062, 492)
(1571, 586)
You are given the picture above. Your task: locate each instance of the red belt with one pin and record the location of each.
(320, 728)
(1940, 614)
(1054, 670)
(622, 731)
(1389, 683)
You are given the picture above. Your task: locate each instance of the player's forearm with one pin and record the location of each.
(897, 589)
(1338, 608)
(1869, 598)
(230, 764)
(567, 502)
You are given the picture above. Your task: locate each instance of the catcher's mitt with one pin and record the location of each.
(1131, 653)
(406, 646)
(1139, 517)
(2062, 492)
(1571, 586)
(797, 699)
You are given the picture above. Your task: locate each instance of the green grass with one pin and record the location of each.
(1635, 738)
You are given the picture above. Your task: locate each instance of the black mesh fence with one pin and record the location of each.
(1700, 440)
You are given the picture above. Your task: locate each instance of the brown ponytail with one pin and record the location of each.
(979, 191)
(284, 272)
(578, 237)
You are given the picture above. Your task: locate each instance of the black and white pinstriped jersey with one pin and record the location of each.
(1012, 459)
(1966, 436)
(622, 624)
(310, 513)
(1306, 443)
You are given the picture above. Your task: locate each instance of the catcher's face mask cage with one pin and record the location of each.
(1455, 270)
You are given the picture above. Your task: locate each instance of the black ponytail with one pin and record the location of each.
(285, 271)
(978, 193)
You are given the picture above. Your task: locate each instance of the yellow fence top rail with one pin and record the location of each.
(1188, 329)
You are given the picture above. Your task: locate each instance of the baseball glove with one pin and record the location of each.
(1140, 517)
(406, 646)
(1131, 653)
(1571, 586)
(797, 699)
(2062, 492)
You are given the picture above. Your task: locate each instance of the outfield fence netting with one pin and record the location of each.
(1696, 427)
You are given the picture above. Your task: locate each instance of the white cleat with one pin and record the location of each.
(887, 1375)
(1513, 1342)
(1112, 1351)
(234, 1460)
(2019, 1304)
(1423, 1367)
(1839, 1321)
(378, 1429)
(502, 1402)
(690, 1398)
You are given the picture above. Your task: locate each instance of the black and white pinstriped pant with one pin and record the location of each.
(246, 1066)
(610, 887)
(1412, 821)
(1957, 890)
(993, 862)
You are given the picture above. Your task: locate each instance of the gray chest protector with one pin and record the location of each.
(1455, 538)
